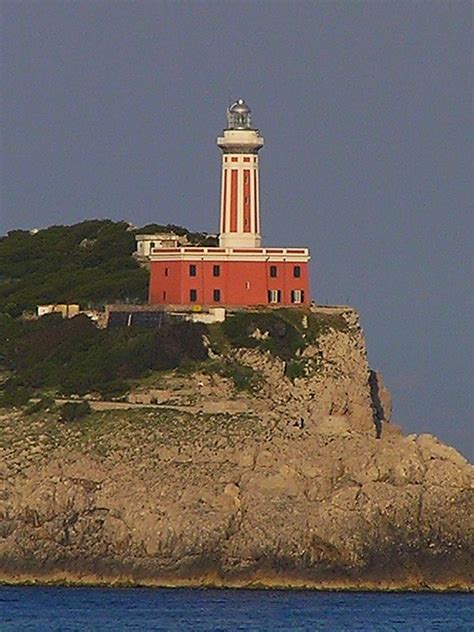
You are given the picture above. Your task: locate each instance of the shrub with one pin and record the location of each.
(244, 377)
(14, 394)
(73, 356)
(114, 388)
(304, 367)
(296, 369)
(73, 411)
(44, 403)
(176, 344)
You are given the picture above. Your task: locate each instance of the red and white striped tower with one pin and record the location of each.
(240, 213)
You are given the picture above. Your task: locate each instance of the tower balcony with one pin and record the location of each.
(245, 141)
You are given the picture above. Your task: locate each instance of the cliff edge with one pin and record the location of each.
(252, 468)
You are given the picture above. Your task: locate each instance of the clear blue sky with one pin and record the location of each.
(111, 109)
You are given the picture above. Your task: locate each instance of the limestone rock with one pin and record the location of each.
(289, 486)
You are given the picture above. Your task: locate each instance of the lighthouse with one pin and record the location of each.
(240, 143)
(239, 272)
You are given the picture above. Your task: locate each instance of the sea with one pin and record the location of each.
(61, 609)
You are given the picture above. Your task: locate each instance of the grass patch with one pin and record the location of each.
(320, 324)
(217, 339)
(263, 330)
(244, 377)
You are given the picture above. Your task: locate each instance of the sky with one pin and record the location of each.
(111, 109)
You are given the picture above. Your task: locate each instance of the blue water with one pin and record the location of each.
(102, 609)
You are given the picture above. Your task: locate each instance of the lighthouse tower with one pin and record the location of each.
(240, 221)
(239, 272)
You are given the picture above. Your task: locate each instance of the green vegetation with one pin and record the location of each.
(302, 367)
(296, 369)
(319, 324)
(73, 411)
(194, 239)
(14, 395)
(73, 356)
(283, 332)
(137, 434)
(244, 377)
(45, 403)
(264, 330)
(90, 263)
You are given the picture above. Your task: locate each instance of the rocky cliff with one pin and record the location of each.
(300, 480)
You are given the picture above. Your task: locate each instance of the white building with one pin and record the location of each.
(145, 243)
(67, 310)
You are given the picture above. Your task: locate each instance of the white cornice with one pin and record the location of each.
(300, 255)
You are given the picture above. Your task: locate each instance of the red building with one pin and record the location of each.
(239, 272)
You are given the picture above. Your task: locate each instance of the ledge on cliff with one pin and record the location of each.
(102, 362)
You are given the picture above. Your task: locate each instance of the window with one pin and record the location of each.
(297, 272)
(193, 295)
(192, 270)
(164, 295)
(274, 296)
(273, 271)
(167, 271)
(216, 295)
(297, 296)
(152, 244)
(216, 271)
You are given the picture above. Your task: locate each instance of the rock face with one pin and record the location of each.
(289, 486)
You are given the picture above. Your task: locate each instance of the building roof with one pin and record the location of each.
(239, 107)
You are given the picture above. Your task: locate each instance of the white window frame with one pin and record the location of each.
(274, 297)
(297, 297)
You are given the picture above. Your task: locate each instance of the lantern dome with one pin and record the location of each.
(239, 115)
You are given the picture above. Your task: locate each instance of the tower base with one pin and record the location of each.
(229, 277)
